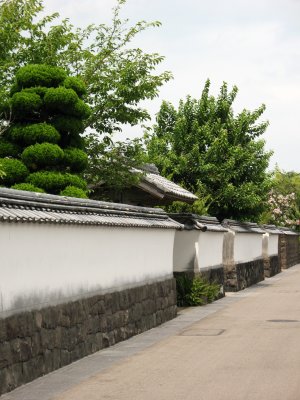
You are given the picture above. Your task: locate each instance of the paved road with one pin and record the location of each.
(243, 347)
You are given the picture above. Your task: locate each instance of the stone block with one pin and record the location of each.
(38, 320)
(36, 345)
(20, 350)
(124, 299)
(93, 324)
(108, 301)
(6, 358)
(48, 361)
(56, 359)
(3, 330)
(5, 380)
(17, 377)
(48, 338)
(50, 317)
(65, 357)
(32, 344)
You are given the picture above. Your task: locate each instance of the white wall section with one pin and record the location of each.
(210, 249)
(43, 262)
(247, 246)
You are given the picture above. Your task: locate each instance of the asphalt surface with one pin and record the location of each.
(245, 346)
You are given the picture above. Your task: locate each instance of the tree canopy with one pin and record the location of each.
(117, 76)
(210, 151)
(284, 199)
(42, 149)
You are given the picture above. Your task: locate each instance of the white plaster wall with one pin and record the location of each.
(185, 250)
(273, 245)
(41, 263)
(247, 246)
(210, 249)
(265, 244)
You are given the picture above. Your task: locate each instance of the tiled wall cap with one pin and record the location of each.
(198, 222)
(23, 206)
(242, 227)
(271, 229)
(288, 231)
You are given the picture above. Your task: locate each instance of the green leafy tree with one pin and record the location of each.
(284, 199)
(114, 167)
(117, 75)
(2, 173)
(287, 182)
(39, 152)
(210, 151)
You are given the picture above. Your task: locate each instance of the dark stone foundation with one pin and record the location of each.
(288, 250)
(271, 266)
(242, 275)
(35, 343)
(213, 274)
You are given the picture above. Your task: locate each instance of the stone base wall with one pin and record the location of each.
(288, 250)
(272, 266)
(211, 274)
(35, 343)
(242, 275)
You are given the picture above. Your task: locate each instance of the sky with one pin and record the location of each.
(254, 45)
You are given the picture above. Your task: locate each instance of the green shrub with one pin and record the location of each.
(40, 75)
(80, 110)
(15, 134)
(61, 100)
(5, 109)
(196, 291)
(76, 141)
(15, 171)
(75, 180)
(42, 155)
(39, 133)
(75, 159)
(27, 187)
(72, 191)
(54, 182)
(39, 90)
(50, 181)
(68, 125)
(8, 149)
(25, 104)
(76, 84)
(14, 89)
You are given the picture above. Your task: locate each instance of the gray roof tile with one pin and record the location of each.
(20, 206)
(164, 186)
(198, 222)
(242, 227)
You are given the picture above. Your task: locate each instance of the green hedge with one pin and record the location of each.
(15, 171)
(76, 141)
(54, 182)
(42, 155)
(40, 75)
(68, 125)
(39, 90)
(72, 191)
(76, 84)
(39, 133)
(75, 159)
(15, 134)
(25, 104)
(61, 100)
(27, 187)
(8, 149)
(80, 110)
